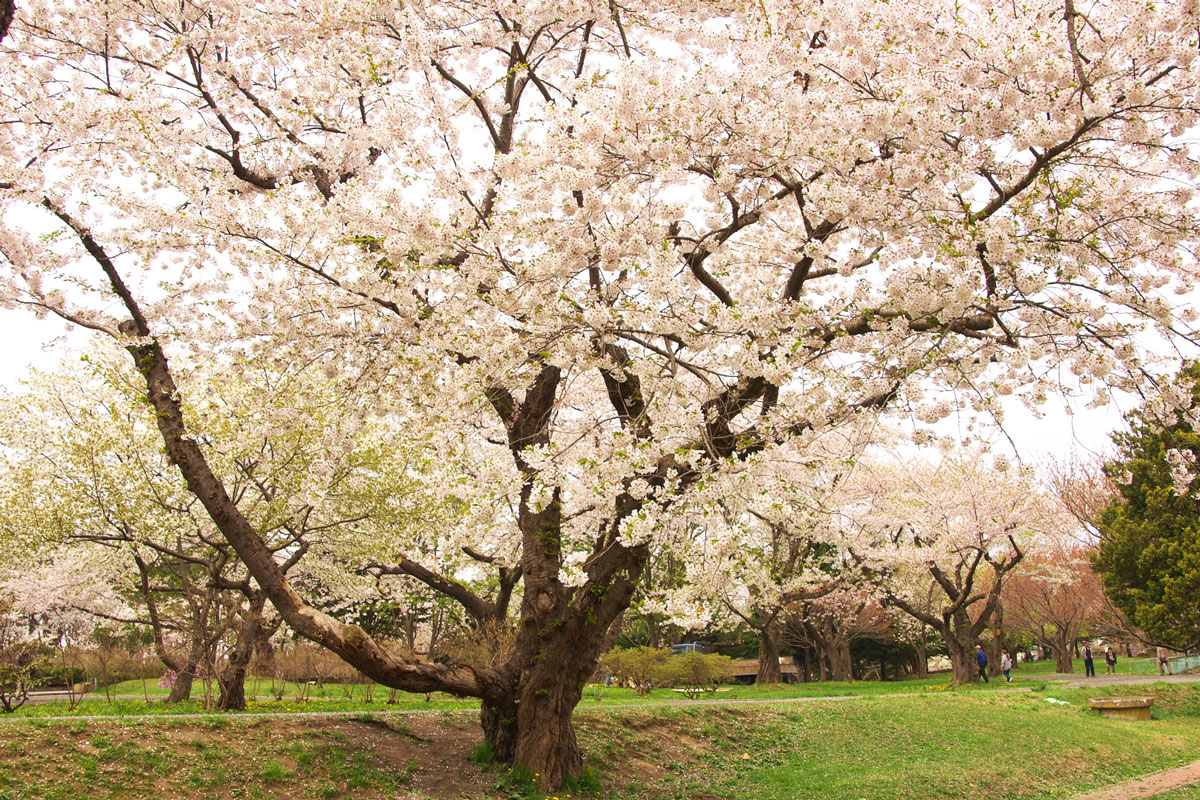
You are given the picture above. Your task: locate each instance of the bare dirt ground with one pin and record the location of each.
(1147, 785)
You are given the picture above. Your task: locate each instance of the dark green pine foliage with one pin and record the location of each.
(1149, 555)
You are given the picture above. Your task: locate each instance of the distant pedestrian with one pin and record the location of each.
(1089, 666)
(1110, 661)
(981, 658)
(1164, 662)
(1006, 665)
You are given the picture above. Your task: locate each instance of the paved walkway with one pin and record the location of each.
(1077, 681)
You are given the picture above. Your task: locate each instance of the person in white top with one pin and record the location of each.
(1005, 665)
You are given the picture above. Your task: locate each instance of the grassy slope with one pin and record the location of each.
(982, 745)
(941, 746)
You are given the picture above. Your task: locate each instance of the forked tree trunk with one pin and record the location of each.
(561, 630)
(233, 676)
(768, 656)
(182, 688)
(1062, 659)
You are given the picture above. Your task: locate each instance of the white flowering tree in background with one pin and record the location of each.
(630, 245)
(89, 496)
(960, 521)
(768, 539)
(829, 624)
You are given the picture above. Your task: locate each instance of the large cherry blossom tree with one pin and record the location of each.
(629, 244)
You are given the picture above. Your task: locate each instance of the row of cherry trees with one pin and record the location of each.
(844, 545)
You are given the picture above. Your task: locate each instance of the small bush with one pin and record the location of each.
(696, 673)
(639, 668)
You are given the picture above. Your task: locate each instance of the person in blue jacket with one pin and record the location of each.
(981, 657)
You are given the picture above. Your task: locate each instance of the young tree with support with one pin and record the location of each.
(632, 245)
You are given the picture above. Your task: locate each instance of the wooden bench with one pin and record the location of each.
(1122, 707)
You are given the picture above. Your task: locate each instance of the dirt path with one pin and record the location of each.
(1150, 785)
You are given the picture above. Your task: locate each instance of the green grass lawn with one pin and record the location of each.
(265, 688)
(946, 745)
(929, 745)
(332, 697)
(1125, 666)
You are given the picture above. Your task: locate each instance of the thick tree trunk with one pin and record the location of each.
(233, 676)
(233, 689)
(182, 688)
(840, 668)
(546, 742)
(921, 658)
(768, 656)
(1062, 657)
(7, 9)
(963, 665)
(499, 721)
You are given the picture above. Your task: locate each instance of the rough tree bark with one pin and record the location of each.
(920, 658)
(232, 678)
(841, 667)
(185, 672)
(1062, 660)
(8, 9)
(769, 671)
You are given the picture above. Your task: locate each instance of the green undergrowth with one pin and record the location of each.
(96, 704)
(594, 697)
(129, 697)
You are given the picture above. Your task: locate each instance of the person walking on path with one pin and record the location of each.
(1006, 665)
(1089, 666)
(1164, 662)
(981, 658)
(1110, 660)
